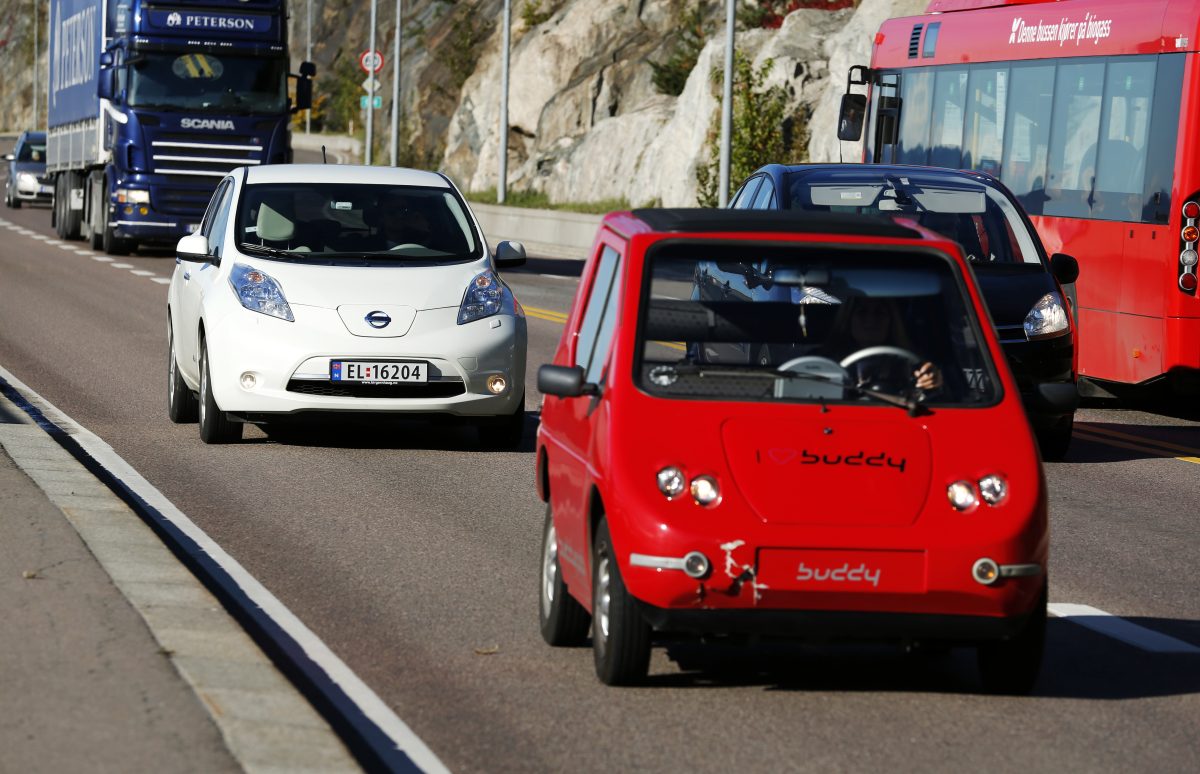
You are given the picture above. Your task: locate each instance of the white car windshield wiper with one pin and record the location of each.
(265, 250)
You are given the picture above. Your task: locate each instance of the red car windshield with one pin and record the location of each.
(764, 323)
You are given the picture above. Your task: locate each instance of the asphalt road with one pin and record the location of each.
(414, 555)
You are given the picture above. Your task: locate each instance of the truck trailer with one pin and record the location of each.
(152, 103)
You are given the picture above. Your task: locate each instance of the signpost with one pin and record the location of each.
(375, 102)
(371, 61)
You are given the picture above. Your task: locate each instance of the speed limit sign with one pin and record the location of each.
(371, 61)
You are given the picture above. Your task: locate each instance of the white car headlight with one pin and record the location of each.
(27, 179)
(1047, 318)
(483, 298)
(259, 292)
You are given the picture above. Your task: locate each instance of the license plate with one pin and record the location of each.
(894, 572)
(377, 372)
(46, 189)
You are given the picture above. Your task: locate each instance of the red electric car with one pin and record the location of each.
(832, 448)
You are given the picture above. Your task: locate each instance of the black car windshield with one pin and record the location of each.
(978, 216)
(324, 221)
(33, 150)
(771, 323)
(208, 83)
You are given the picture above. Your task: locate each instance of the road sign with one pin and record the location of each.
(371, 85)
(376, 103)
(371, 61)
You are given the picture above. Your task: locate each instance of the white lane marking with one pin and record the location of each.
(24, 232)
(81, 251)
(102, 258)
(161, 280)
(557, 276)
(65, 246)
(122, 265)
(42, 237)
(141, 273)
(353, 686)
(1120, 629)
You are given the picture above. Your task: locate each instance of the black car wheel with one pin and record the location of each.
(182, 406)
(1055, 440)
(215, 424)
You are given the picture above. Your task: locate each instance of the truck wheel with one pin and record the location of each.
(215, 425)
(563, 620)
(70, 219)
(111, 243)
(182, 406)
(1011, 666)
(620, 636)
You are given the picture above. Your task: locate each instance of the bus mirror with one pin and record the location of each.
(304, 93)
(858, 75)
(850, 117)
(105, 83)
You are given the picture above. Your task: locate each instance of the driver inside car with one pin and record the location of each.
(876, 322)
(401, 223)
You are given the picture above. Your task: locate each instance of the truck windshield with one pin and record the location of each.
(338, 222)
(810, 324)
(208, 83)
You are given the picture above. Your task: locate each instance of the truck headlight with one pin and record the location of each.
(483, 298)
(259, 292)
(133, 196)
(1047, 318)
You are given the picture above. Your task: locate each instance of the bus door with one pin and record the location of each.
(885, 119)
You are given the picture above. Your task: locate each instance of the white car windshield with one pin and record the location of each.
(377, 223)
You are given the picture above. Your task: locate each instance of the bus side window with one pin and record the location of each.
(1027, 135)
(917, 89)
(946, 127)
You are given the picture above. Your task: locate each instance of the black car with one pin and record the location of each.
(27, 181)
(1022, 286)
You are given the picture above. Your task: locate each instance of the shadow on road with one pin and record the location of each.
(1118, 442)
(1079, 664)
(341, 431)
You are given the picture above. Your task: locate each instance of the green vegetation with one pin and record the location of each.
(671, 76)
(533, 14)
(539, 200)
(763, 131)
(459, 53)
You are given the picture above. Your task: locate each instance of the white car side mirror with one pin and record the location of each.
(194, 247)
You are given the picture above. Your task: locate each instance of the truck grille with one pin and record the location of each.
(197, 155)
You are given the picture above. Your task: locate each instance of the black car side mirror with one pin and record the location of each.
(1065, 268)
(510, 255)
(564, 381)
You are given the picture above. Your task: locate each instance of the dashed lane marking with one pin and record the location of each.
(65, 246)
(161, 280)
(141, 273)
(102, 258)
(81, 251)
(1119, 629)
(41, 237)
(122, 265)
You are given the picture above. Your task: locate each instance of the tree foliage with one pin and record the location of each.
(671, 76)
(761, 133)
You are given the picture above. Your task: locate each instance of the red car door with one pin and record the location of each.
(570, 424)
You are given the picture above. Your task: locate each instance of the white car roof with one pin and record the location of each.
(341, 173)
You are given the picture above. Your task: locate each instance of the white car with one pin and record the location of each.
(325, 288)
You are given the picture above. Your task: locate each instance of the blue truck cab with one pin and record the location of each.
(152, 103)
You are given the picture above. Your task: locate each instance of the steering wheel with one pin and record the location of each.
(863, 354)
(817, 366)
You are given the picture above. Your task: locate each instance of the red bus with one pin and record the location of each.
(1083, 108)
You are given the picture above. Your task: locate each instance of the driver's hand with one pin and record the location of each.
(928, 377)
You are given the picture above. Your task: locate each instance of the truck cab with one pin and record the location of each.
(179, 95)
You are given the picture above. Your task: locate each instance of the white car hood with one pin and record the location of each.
(330, 287)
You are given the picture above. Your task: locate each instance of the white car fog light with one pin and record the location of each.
(1188, 258)
(670, 482)
(705, 490)
(986, 572)
(249, 381)
(993, 489)
(496, 384)
(695, 565)
(962, 495)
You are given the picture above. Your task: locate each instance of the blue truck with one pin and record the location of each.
(152, 102)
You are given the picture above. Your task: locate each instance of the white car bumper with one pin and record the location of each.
(290, 363)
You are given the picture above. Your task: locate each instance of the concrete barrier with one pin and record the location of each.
(545, 233)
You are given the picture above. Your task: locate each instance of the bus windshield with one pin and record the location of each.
(203, 82)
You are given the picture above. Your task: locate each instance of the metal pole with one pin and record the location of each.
(35, 64)
(727, 107)
(308, 58)
(396, 87)
(371, 91)
(502, 182)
